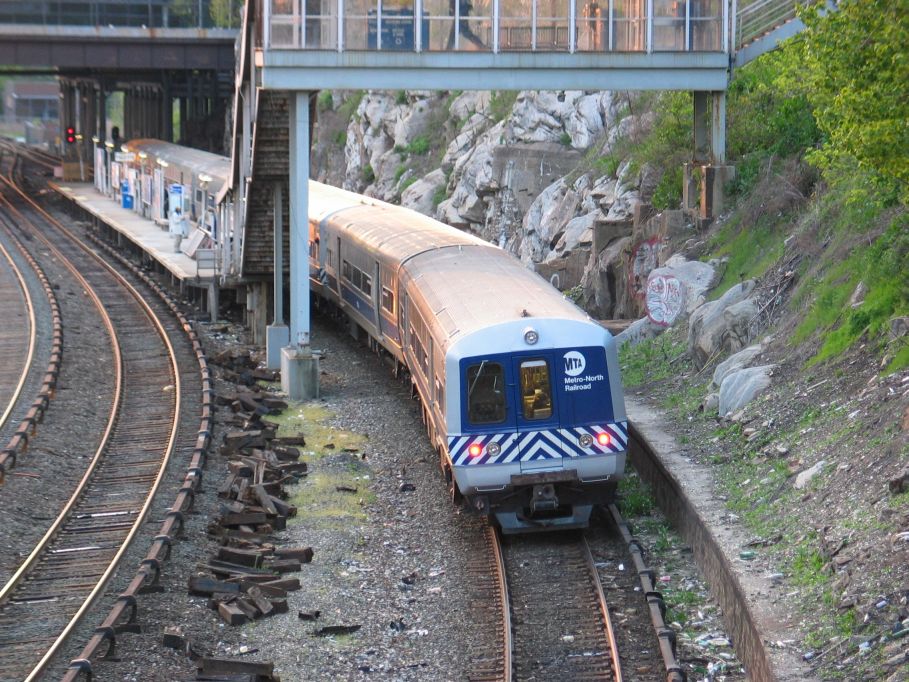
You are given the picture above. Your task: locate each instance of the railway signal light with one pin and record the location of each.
(70, 135)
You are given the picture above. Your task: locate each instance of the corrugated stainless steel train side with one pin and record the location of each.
(520, 390)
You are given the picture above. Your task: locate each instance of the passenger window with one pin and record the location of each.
(366, 286)
(486, 393)
(536, 393)
(388, 300)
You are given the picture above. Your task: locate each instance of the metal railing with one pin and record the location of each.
(124, 13)
(762, 16)
(500, 25)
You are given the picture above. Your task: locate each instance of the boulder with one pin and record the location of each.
(419, 196)
(740, 321)
(638, 331)
(677, 289)
(805, 477)
(707, 327)
(741, 387)
(604, 284)
(734, 363)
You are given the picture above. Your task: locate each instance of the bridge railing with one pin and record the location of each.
(123, 13)
(500, 25)
(761, 16)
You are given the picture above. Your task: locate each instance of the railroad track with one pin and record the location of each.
(542, 597)
(70, 566)
(17, 335)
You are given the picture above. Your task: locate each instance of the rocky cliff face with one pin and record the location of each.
(535, 172)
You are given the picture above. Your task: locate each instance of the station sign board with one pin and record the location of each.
(124, 157)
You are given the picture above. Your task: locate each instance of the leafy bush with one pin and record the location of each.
(325, 102)
(369, 175)
(501, 103)
(854, 70)
(565, 139)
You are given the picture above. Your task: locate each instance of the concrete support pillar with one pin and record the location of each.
(299, 365)
(299, 219)
(278, 333)
(213, 301)
(718, 129)
(701, 141)
(704, 179)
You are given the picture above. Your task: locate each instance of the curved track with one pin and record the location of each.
(69, 567)
(17, 335)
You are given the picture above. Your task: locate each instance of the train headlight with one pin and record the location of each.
(493, 449)
(475, 450)
(586, 440)
(603, 438)
(531, 336)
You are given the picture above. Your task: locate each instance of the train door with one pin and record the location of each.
(537, 410)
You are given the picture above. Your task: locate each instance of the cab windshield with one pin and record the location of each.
(486, 393)
(536, 391)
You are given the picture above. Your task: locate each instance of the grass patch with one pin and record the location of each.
(311, 420)
(878, 262)
(634, 497)
(439, 195)
(807, 565)
(501, 104)
(348, 109)
(751, 250)
(651, 360)
(418, 146)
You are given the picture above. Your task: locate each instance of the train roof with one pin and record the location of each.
(473, 288)
(395, 232)
(194, 160)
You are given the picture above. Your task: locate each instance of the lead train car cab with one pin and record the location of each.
(524, 389)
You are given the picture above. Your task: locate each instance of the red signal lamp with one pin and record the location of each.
(70, 135)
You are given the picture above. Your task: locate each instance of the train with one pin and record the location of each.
(520, 389)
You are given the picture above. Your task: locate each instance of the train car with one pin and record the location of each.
(520, 389)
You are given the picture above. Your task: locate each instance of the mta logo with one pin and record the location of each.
(574, 363)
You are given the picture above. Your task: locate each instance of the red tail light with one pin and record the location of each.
(475, 450)
(603, 438)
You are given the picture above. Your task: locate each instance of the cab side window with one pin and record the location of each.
(536, 391)
(486, 393)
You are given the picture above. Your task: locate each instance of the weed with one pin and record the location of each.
(325, 101)
(369, 175)
(401, 97)
(349, 107)
(807, 566)
(439, 195)
(341, 138)
(501, 103)
(634, 497)
(399, 172)
(651, 360)
(565, 139)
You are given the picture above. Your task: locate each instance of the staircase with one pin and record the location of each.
(762, 24)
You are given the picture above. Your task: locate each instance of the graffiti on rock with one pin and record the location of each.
(664, 300)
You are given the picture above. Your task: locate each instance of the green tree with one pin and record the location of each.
(225, 13)
(856, 68)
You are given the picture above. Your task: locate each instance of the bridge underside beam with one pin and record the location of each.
(301, 69)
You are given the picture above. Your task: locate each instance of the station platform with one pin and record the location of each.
(144, 233)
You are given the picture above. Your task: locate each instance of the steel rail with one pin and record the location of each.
(141, 516)
(604, 610)
(126, 605)
(507, 646)
(29, 424)
(32, 337)
(665, 635)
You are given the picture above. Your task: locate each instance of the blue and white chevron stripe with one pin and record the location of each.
(530, 446)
